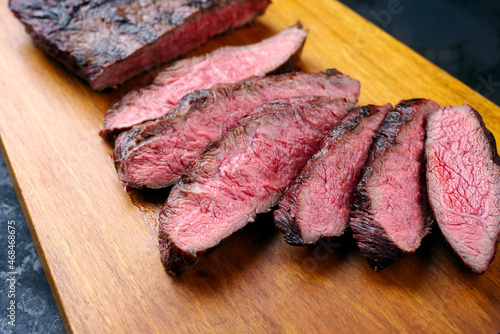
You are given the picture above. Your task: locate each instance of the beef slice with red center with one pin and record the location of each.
(277, 54)
(463, 181)
(242, 173)
(155, 154)
(390, 213)
(318, 204)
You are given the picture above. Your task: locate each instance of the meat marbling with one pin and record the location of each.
(155, 154)
(390, 214)
(318, 204)
(242, 173)
(277, 54)
(463, 180)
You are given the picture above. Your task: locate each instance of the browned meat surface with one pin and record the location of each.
(463, 180)
(242, 173)
(318, 204)
(107, 42)
(155, 154)
(390, 213)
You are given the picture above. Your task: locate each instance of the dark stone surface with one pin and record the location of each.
(35, 310)
(462, 37)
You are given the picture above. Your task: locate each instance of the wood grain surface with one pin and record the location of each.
(97, 242)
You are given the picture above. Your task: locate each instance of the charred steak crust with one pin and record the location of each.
(174, 259)
(372, 239)
(106, 42)
(140, 153)
(390, 128)
(242, 173)
(285, 217)
(284, 220)
(281, 51)
(373, 242)
(440, 171)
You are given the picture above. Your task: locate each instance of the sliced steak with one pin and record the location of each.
(107, 42)
(390, 214)
(279, 53)
(242, 173)
(155, 154)
(463, 180)
(318, 204)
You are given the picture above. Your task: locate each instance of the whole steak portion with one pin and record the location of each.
(280, 53)
(242, 173)
(390, 213)
(318, 204)
(463, 180)
(107, 42)
(155, 154)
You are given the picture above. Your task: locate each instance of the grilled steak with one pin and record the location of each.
(318, 204)
(279, 53)
(155, 154)
(109, 41)
(242, 173)
(390, 214)
(463, 180)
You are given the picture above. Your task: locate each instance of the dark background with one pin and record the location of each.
(462, 37)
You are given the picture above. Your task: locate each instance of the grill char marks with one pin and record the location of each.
(463, 178)
(106, 42)
(390, 213)
(278, 54)
(155, 154)
(242, 173)
(318, 204)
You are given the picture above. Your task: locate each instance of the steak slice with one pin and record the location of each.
(155, 154)
(106, 42)
(390, 214)
(318, 204)
(242, 173)
(279, 53)
(463, 181)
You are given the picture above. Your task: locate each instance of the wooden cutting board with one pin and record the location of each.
(97, 242)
